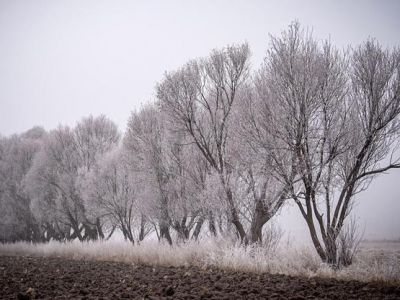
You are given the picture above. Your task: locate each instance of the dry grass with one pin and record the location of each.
(371, 264)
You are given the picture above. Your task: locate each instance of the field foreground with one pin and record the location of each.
(61, 278)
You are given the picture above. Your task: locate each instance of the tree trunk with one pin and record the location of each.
(315, 240)
(211, 224)
(142, 225)
(164, 232)
(256, 233)
(197, 229)
(260, 217)
(75, 227)
(165, 222)
(99, 229)
(235, 217)
(331, 253)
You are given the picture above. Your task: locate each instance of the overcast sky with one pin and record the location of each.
(62, 60)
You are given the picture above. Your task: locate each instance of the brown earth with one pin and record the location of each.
(58, 278)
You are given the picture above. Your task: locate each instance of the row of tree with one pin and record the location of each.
(219, 152)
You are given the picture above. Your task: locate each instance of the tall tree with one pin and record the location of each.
(16, 155)
(200, 97)
(111, 191)
(67, 154)
(145, 141)
(327, 126)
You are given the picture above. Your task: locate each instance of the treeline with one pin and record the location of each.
(219, 152)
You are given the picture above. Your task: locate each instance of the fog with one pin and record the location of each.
(62, 60)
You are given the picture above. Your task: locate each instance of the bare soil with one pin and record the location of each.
(58, 278)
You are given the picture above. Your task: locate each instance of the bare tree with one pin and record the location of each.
(60, 165)
(334, 124)
(259, 192)
(16, 155)
(111, 192)
(92, 138)
(184, 209)
(145, 140)
(55, 168)
(200, 97)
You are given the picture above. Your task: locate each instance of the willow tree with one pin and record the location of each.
(200, 97)
(55, 177)
(330, 123)
(17, 222)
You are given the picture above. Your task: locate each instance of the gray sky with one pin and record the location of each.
(62, 60)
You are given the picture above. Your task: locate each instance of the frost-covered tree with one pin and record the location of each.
(200, 98)
(329, 126)
(164, 163)
(92, 138)
(112, 192)
(259, 193)
(146, 143)
(188, 169)
(207, 100)
(16, 155)
(54, 173)
(59, 167)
